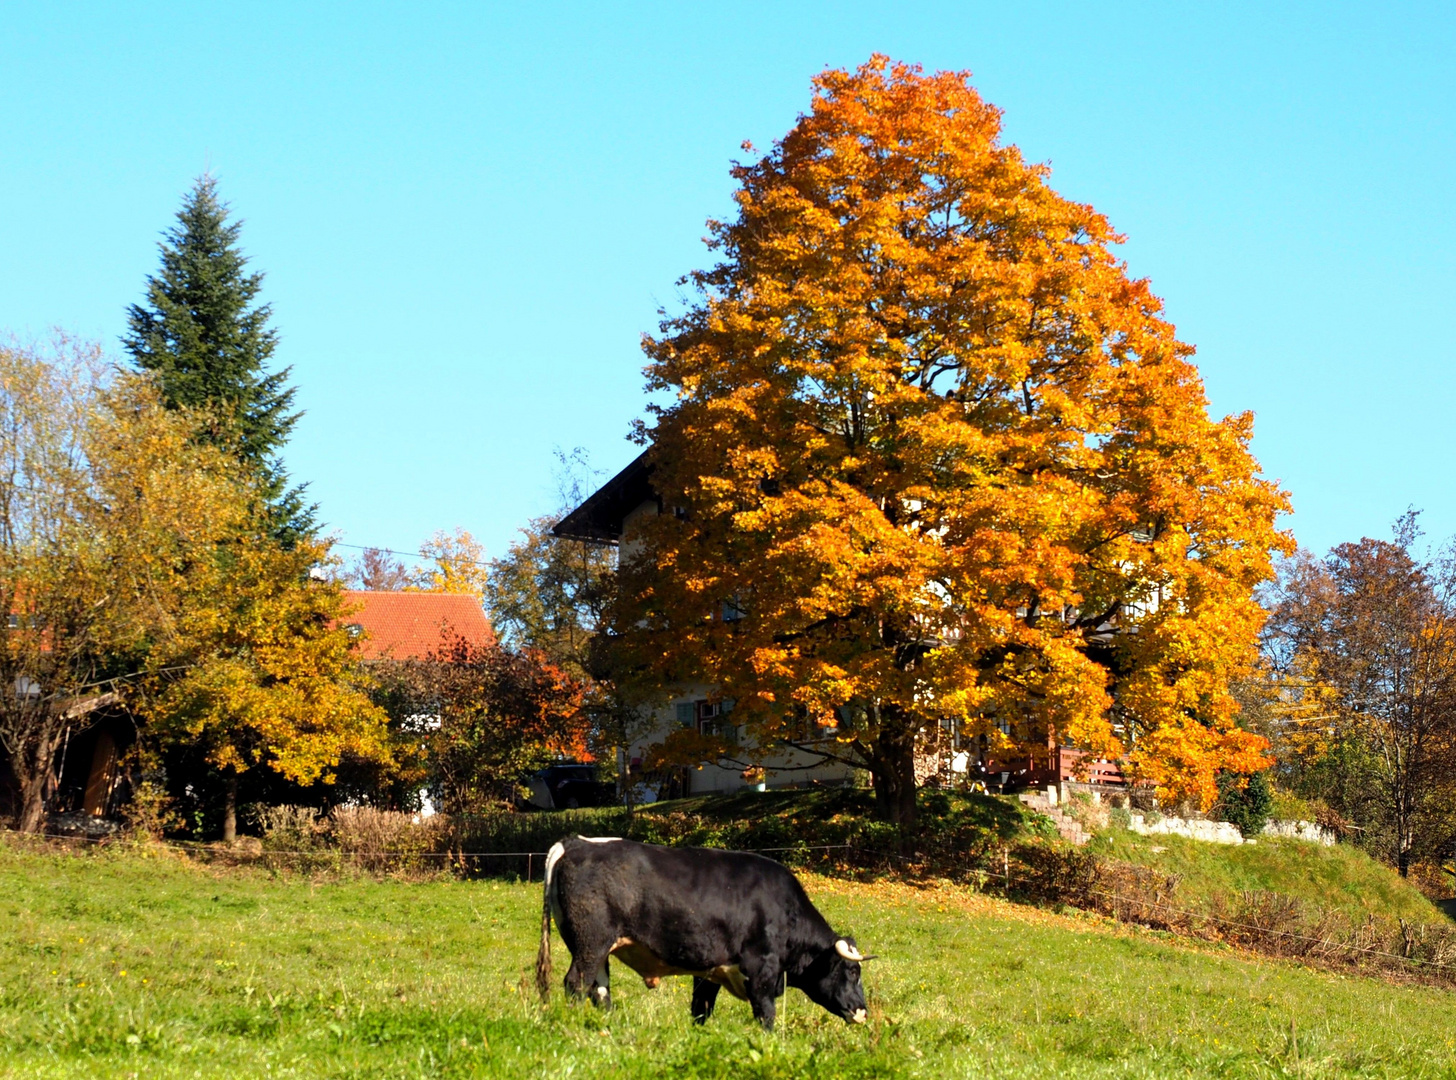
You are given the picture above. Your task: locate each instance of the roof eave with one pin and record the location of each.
(599, 519)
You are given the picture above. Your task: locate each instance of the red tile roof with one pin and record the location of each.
(410, 625)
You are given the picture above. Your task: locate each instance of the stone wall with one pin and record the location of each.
(1213, 832)
(1300, 830)
(1222, 832)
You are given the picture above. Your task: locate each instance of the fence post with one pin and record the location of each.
(529, 856)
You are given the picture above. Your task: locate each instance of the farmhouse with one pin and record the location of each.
(612, 515)
(410, 626)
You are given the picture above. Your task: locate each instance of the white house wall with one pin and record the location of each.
(791, 769)
(630, 545)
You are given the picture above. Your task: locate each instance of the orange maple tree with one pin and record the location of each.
(932, 454)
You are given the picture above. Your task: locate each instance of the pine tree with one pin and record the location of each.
(209, 346)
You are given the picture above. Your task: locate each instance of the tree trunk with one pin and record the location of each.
(624, 774)
(1404, 836)
(32, 764)
(230, 809)
(32, 802)
(893, 773)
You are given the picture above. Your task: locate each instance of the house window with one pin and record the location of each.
(354, 629)
(712, 719)
(686, 714)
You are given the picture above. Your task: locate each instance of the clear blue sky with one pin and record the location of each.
(469, 213)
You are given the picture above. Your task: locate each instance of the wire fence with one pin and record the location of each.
(526, 865)
(983, 873)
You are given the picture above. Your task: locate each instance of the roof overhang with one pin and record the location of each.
(599, 519)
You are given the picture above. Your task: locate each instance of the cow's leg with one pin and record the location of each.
(576, 976)
(705, 996)
(595, 962)
(588, 972)
(601, 988)
(764, 980)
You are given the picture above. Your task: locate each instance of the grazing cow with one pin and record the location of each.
(729, 919)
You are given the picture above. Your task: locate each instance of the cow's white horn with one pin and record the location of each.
(846, 950)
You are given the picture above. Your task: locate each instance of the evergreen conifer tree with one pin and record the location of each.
(209, 345)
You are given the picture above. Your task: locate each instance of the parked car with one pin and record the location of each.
(568, 785)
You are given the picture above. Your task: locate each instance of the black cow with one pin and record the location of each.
(727, 918)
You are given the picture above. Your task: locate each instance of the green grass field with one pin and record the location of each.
(117, 964)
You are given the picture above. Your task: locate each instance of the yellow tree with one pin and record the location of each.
(262, 671)
(459, 565)
(932, 454)
(109, 511)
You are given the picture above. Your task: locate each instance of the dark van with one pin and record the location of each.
(568, 785)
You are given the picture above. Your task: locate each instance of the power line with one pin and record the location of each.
(414, 554)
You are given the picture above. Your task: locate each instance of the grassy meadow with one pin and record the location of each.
(1339, 878)
(118, 963)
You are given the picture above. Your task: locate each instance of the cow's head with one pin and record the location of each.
(832, 981)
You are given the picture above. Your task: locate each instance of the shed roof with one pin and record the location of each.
(411, 625)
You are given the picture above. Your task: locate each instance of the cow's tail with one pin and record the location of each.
(543, 954)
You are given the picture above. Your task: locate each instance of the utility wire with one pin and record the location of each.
(414, 554)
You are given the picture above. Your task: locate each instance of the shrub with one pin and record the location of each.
(1120, 817)
(382, 840)
(148, 813)
(289, 828)
(1286, 806)
(1246, 804)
